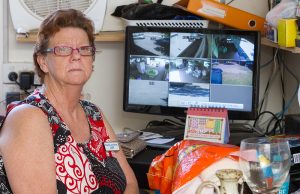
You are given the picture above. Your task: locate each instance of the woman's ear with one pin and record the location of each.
(41, 59)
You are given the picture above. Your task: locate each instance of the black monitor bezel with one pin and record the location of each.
(181, 112)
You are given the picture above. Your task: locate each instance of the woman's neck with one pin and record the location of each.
(62, 98)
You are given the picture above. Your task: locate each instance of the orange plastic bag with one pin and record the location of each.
(184, 161)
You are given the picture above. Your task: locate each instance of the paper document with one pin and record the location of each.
(160, 140)
(149, 135)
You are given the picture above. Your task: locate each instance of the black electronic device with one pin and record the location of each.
(292, 124)
(168, 70)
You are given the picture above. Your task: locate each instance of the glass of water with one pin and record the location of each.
(265, 163)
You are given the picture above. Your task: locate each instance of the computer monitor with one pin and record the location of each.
(168, 70)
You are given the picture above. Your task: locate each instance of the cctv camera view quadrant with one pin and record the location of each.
(179, 69)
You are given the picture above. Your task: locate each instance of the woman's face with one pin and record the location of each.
(73, 69)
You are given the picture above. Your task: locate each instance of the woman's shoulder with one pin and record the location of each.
(24, 117)
(23, 123)
(24, 108)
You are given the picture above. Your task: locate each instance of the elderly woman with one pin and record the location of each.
(53, 141)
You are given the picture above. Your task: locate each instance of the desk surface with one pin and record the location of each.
(140, 165)
(141, 162)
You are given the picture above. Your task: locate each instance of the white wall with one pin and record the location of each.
(1, 33)
(106, 85)
(2, 19)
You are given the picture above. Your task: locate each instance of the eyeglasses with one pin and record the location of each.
(66, 50)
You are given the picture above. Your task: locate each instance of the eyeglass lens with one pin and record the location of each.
(65, 50)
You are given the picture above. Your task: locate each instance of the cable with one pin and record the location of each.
(288, 104)
(26, 92)
(274, 117)
(266, 64)
(278, 121)
(277, 117)
(269, 4)
(271, 78)
(263, 103)
(230, 2)
(283, 89)
(280, 115)
(13, 76)
(264, 96)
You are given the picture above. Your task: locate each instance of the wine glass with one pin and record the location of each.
(265, 163)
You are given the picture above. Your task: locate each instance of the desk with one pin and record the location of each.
(141, 162)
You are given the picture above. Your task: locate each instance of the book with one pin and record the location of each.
(207, 124)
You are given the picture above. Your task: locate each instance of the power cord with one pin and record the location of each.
(294, 96)
(269, 82)
(13, 76)
(276, 125)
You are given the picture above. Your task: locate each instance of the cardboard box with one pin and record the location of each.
(224, 14)
(287, 32)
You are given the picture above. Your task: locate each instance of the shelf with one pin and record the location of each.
(267, 42)
(119, 36)
(116, 36)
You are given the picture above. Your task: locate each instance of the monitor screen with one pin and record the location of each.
(168, 70)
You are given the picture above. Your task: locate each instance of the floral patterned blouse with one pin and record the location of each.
(80, 167)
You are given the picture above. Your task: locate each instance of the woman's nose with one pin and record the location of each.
(75, 53)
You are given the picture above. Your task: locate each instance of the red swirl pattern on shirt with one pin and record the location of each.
(74, 169)
(96, 143)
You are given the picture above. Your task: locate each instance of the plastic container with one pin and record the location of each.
(216, 76)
